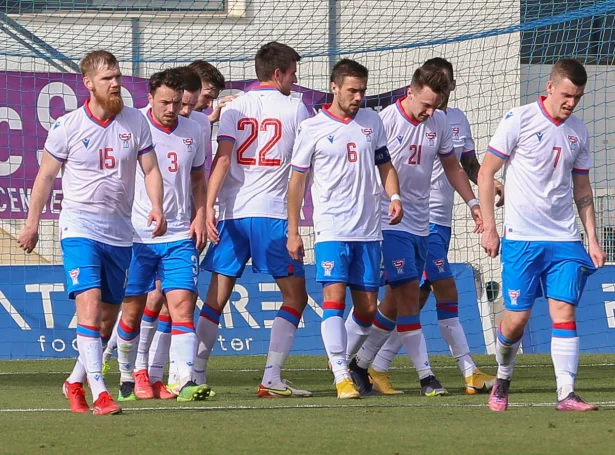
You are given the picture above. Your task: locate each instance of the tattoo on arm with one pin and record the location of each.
(471, 166)
(584, 201)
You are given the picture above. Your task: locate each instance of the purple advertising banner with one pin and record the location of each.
(30, 103)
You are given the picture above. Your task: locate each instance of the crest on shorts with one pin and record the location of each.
(431, 136)
(455, 132)
(125, 137)
(514, 295)
(573, 142)
(440, 264)
(188, 141)
(399, 265)
(327, 267)
(74, 275)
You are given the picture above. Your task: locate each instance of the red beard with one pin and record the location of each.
(113, 103)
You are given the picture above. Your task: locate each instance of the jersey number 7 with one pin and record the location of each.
(265, 125)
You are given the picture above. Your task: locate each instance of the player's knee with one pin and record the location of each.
(561, 311)
(407, 297)
(445, 290)
(296, 298)
(182, 307)
(367, 312)
(155, 300)
(513, 324)
(132, 311)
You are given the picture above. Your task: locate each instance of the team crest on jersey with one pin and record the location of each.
(400, 138)
(125, 137)
(514, 295)
(188, 141)
(431, 136)
(368, 134)
(455, 132)
(573, 142)
(330, 138)
(399, 265)
(440, 264)
(86, 142)
(327, 266)
(74, 275)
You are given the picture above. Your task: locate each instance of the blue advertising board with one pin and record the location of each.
(37, 320)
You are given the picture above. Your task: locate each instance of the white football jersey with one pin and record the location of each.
(541, 155)
(179, 151)
(262, 125)
(442, 195)
(414, 147)
(100, 161)
(342, 155)
(205, 124)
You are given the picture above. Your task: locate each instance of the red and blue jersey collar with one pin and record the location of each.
(95, 119)
(160, 127)
(332, 116)
(403, 112)
(543, 109)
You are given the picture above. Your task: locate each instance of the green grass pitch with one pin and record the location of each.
(34, 414)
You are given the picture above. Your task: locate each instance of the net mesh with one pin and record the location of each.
(501, 50)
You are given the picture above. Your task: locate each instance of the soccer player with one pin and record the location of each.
(438, 275)
(212, 84)
(418, 135)
(345, 148)
(172, 258)
(250, 179)
(98, 147)
(152, 334)
(545, 150)
(158, 349)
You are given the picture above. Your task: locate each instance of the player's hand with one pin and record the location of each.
(396, 212)
(597, 254)
(210, 222)
(156, 216)
(215, 114)
(198, 231)
(477, 216)
(28, 238)
(499, 191)
(294, 245)
(491, 242)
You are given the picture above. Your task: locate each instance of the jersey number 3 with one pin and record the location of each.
(266, 124)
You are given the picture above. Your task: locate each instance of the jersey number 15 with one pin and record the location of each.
(266, 124)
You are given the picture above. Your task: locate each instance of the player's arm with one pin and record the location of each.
(584, 199)
(296, 191)
(471, 166)
(155, 190)
(301, 162)
(459, 180)
(48, 171)
(390, 181)
(198, 184)
(219, 171)
(486, 194)
(388, 174)
(501, 146)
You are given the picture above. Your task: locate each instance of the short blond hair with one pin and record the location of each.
(97, 60)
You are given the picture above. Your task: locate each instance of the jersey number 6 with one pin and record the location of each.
(265, 125)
